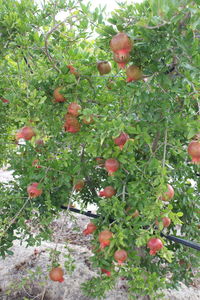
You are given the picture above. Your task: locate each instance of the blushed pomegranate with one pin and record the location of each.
(104, 271)
(56, 274)
(90, 229)
(73, 70)
(104, 67)
(74, 109)
(108, 192)
(121, 140)
(111, 165)
(25, 133)
(166, 221)
(121, 60)
(100, 161)
(33, 190)
(120, 256)
(72, 125)
(58, 96)
(194, 151)
(79, 185)
(155, 245)
(133, 73)
(104, 238)
(169, 194)
(121, 44)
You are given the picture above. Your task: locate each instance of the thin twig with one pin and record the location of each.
(165, 149)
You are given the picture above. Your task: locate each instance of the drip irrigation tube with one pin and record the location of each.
(169, 237)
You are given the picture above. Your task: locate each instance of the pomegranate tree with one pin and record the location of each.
(33, 190)
(155, 245)
(108, 192)
(56, 274)
(194, 151)
(104, 238)
(90, 229)
(121, 140)
(120, 256)
(111, 165)
(104, 67)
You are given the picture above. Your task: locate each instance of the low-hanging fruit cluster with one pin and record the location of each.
(56, 274)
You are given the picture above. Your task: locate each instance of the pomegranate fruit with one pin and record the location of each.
(169, 194)
(39, 142)
(111, 165)
(25, 133)
(4, 100)
(104, 67)
(33, 190)
(58, 96)
(166, 221)
(90, 229)
(73, 70)
(104, 271)
(100, 161)
(104, 238)
(74, 109)
(155, 245)
(194, 151)
(79, 185)
(133, 73)
(72, 125)
(56, 274)
(120, 256)
(108, 192)
(121, 44)
(88, 120)
(121, 60)
(121, 140)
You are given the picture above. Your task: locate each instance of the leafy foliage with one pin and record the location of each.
(161, 115)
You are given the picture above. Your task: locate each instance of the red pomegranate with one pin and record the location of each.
(73, 70)
(194, 151)
(121, 140)
(104, 238)
(155, 245)
(104, 271)
(56, 274)
(25, 133)
(33, 191)
(58, 96)
(120, 256)
(79, 185)
(108, 192)
(72, 125)
(121, 60)
(169, 194)
(4, 100)
(166, 221)
(74, 109)
(111, 165)
(104, 67)
(133, 73)
(121, 44)
(90, 229)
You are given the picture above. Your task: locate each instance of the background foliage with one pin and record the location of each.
(160, 114)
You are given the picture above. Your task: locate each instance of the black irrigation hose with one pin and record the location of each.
(171, 238)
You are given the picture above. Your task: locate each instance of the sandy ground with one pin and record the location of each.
(25, 274)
